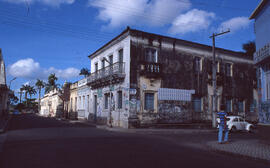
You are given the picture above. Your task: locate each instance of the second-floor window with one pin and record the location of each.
(198, 64)
(120, 55)
(103, 63)
(228, 69)
(151, 55)
(96, 67)
(111, 59)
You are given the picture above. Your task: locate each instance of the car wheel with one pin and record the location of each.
(251, 129)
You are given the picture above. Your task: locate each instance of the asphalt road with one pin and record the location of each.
(36, 142)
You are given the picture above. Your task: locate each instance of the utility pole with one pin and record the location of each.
(214, 80)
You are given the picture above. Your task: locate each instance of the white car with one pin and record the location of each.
(236, 123)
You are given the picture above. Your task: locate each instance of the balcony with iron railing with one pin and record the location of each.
(111, 74)
(262, 54)
(151, 69)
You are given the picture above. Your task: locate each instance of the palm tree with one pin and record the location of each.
(85, 72)
(250, 48)
(51, 85)
(25, 88)
(39, 84)
(31, 91)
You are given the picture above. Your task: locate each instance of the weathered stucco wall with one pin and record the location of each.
(177, 71)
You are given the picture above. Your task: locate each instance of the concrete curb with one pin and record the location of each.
(213, 149)
(77, 121)
(5, 126)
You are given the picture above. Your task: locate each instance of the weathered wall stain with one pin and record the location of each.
(174, 112)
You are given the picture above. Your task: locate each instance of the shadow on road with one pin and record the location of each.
(29, 121)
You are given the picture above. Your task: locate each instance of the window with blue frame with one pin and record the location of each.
(106, 101)
(241, 106)
(228, 69)
(149, 101)
(197, 104)
(229, 105)
(120, 98)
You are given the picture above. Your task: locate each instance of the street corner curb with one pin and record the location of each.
(224, 152)
(5, 125)
(80, 122)
(113, 129)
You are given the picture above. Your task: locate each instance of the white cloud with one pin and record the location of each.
(192, 21)
(63, 73)
(133, 12)
(235, 24)
(46, 2)
(29, 69)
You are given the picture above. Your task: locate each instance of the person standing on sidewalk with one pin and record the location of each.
(222, 125)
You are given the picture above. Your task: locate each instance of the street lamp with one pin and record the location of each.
(11, 81)
(110, 86)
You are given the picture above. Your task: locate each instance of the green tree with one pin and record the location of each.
(51, 85)
(13, 99)
(25, 88)
(250, 48)
(31, 91)
(85, 72)
(39, 84)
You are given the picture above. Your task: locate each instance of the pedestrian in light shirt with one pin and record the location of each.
(222, 126)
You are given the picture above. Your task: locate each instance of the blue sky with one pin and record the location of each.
(39, 37)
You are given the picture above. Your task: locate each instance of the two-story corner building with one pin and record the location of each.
(152, 79)
(83, 99)
(261, 15)
(3, 87)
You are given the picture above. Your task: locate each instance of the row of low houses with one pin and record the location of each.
(139, 79)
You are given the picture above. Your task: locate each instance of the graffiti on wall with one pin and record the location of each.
(174, 111)
(133, 106)
(264, 115)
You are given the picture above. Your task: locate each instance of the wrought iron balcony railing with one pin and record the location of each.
(262, 54)
(107, 74)
(151, 69)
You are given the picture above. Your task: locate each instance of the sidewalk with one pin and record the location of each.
(247, 148)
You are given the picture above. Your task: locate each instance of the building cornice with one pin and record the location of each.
(134, 32)
(258, 9)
